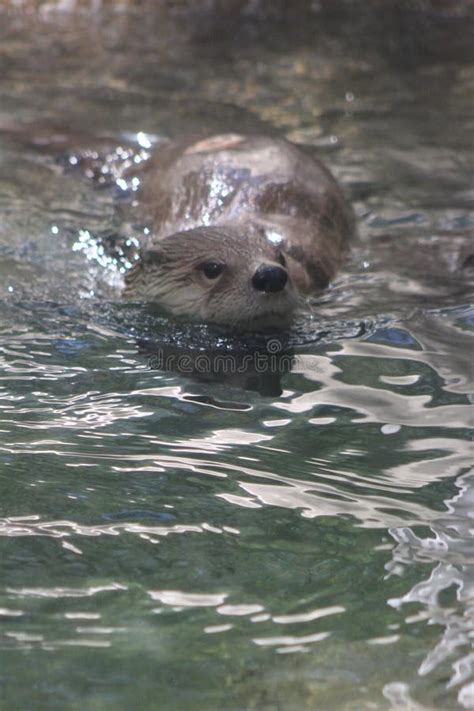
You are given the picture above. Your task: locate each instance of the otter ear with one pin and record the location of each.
(152, 256)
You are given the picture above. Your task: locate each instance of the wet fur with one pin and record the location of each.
(244, 200)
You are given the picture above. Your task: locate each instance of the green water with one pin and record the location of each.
(173, 542)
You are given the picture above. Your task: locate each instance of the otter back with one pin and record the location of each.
(259, 180)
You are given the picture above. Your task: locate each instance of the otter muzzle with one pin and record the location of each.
(269, 278)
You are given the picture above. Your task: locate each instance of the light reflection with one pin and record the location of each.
(178, 598)
(389, 639)
(371, 404)
(290, 640)
(24, 636)
(143, 140)
(323, 490)
(59, 592)
(51, 646)
(61, 529)
(308, 616)
(292, 649)
(100, 630)
(450, 548)
(239, 610)
(215, 629)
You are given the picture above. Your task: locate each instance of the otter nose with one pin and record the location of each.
(269, 278)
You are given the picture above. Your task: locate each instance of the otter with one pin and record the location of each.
(242, 228)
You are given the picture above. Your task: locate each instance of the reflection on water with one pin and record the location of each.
(451, 580)
(294, 535)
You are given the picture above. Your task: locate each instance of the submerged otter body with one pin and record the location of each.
(241, 227)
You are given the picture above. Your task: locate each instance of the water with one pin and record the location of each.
(292, 540)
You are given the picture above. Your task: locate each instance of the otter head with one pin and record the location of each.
(229, 275)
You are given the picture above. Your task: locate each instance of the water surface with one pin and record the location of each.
(300, 540)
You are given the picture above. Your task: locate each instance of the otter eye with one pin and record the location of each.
(281, 259)
(212, 270)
